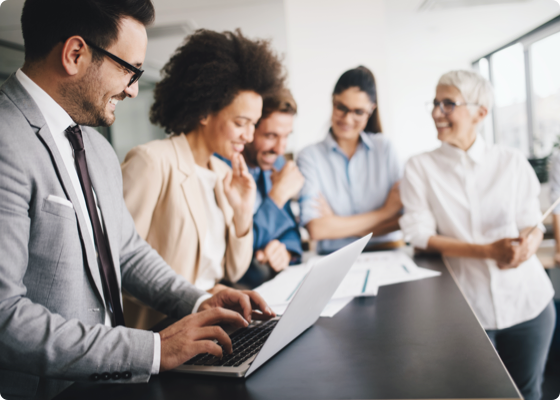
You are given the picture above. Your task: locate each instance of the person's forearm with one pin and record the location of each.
(337, 227)
(556, 224)
(278, 197)
(455, 248)
(388, 226)
(243, 221)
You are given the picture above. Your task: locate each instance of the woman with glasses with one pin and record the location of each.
(477, 203)
(186, 203)
(351, 177)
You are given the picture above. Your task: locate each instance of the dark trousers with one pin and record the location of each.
(523, 349)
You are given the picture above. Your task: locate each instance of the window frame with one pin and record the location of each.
(527, 40)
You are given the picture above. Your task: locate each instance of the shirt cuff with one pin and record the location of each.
(199, 302)
(157, 354)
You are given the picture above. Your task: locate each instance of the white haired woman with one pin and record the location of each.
(476, 203)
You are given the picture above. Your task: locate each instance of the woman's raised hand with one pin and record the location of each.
(240, 190)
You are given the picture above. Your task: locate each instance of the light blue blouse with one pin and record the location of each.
(351, 186)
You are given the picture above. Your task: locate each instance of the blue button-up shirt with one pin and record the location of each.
(269, 221)
(350, 186)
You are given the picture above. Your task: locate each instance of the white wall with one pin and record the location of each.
(262, 19)
(407, 51)
(326, 38)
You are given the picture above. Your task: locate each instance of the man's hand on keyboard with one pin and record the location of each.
(195, 334)
(248, 303)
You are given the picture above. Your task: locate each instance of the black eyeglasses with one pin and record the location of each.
(446, 106)
(136, 73)
(341, 110)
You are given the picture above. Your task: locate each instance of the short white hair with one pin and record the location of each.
(473, 86)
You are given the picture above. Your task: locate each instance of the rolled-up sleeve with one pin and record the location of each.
(394, 165)
(418, 223)
(311, 189)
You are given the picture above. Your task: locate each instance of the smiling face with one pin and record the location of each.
(271, 137)
(351, 111)
(227, 131)
(94, 97)
(458, 127)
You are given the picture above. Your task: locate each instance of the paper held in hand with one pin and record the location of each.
(546, 213)
(370, 271)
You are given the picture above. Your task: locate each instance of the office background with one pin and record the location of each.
(408, 44)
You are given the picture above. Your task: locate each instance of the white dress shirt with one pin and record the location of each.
(479, 196)
(210, 269)
(58, 120)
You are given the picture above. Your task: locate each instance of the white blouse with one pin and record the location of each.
(479, 196)
(210, 269)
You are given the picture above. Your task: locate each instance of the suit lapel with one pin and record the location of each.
(29, 109)
(191, 189)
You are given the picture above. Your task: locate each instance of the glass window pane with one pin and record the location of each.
(545, 67)
(510, 111)
(487, 128)
(484, 68)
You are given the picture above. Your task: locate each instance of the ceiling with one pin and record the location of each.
(427, 27)
(166, 12)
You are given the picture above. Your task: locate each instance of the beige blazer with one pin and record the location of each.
(163, 194)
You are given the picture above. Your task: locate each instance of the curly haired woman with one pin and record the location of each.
(186, 203)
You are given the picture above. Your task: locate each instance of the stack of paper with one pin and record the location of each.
(370, 271)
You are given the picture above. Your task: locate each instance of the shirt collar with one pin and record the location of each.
(333, 145)
(56, 117)
(475, 152)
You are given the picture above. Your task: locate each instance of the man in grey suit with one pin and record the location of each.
(67, 242)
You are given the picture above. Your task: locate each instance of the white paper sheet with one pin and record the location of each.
(391, 267)
(330, 310)
(370, 271)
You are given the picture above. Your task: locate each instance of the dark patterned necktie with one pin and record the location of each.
(106, 267)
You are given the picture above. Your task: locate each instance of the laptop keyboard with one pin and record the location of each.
(246, 342)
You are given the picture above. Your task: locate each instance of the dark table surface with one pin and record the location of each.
(415, 340)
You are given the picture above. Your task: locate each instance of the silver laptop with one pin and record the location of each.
(256, 344)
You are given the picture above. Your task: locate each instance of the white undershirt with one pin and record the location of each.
(479, 196)
(210, 269)
(58, 120)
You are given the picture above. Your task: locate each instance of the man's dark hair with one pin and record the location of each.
(45, 23)
(207, 72)
(362, 78)
(280, 101)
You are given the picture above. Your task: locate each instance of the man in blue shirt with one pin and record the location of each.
(277, 242)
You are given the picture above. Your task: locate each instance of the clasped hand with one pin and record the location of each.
(286, 183)
(197, 333)
(510, 253)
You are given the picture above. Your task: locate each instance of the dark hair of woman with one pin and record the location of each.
(362, 78)
(206, 73)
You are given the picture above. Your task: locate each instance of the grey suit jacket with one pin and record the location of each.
(51, 303)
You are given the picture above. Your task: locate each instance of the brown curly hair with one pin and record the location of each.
(206, 73)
